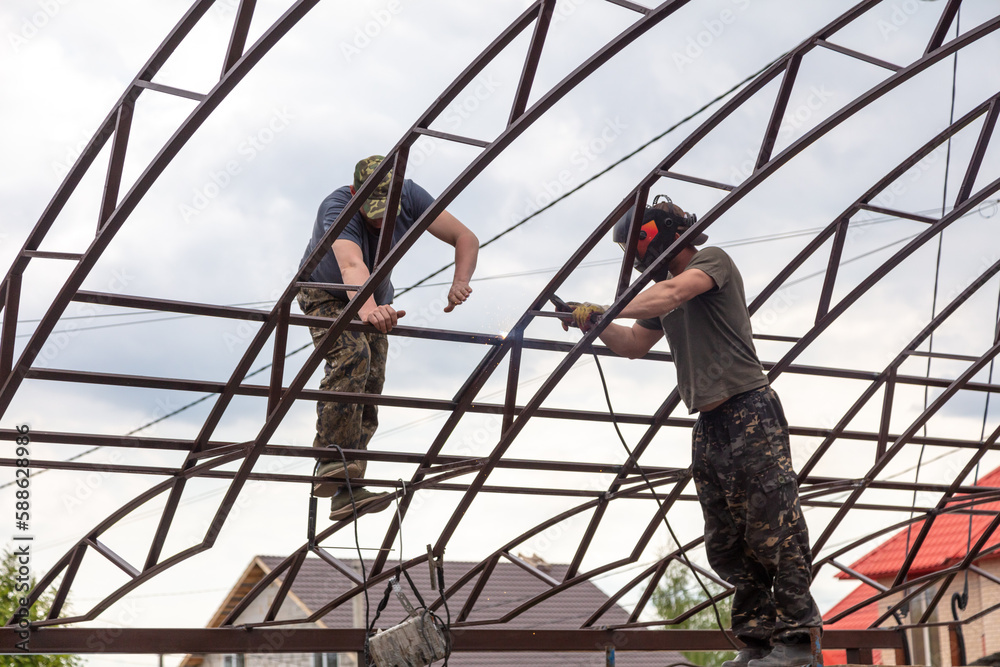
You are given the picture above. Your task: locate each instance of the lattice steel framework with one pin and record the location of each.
(205, 456)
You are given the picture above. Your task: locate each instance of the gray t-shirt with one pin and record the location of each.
(414, 201)
(710, 336)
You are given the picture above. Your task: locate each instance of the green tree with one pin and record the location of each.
(679, 591)
(10, 598)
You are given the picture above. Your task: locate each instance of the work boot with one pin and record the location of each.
(334, 471)
(786, 655)
(746, 655)
(342, 508)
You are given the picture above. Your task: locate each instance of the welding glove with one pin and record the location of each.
(585, 315)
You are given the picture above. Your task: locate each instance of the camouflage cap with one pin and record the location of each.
(374, 207)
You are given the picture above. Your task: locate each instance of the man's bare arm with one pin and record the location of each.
(632, 342)
(664, 296)
(447, 228)
(354, 272)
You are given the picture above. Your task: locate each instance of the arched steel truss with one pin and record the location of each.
(205, 456)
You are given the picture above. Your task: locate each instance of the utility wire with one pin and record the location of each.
(179, 410)
(749, 240)
(602, 172)
(937, 268)
(303, 347)
(482, 245)
(745, 241)
(132, 313)
(659, 504)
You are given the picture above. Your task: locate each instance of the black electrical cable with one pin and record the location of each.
(937, 265)
(602, 172)
(357, 544)
(303, 347)
(179, 410)
(447, 612)
(659, 503)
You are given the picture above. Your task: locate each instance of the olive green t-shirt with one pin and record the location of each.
(710, 336)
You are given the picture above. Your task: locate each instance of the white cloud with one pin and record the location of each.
(291, 132)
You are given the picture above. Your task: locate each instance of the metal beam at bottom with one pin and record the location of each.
(291, 639)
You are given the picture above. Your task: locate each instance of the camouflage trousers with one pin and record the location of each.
(755, 535)
(355, 363)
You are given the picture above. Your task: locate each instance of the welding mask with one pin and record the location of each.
(661, 222)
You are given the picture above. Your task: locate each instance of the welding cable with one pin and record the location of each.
(937, 264)
(444, 628)
(961, 600)
(399, 521)
(357, 545)
(659, 503)
(423, 613)
(746, 241)
(447, 612)
(611, 166)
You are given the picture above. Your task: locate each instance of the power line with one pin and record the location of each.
(602, 172)
(136, 312)
(745, 241)
(750, 240)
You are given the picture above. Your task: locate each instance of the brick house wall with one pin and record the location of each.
(982, 636)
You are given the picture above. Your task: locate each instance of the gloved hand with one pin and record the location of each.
(585, 315)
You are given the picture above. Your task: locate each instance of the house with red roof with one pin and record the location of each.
(947, 543)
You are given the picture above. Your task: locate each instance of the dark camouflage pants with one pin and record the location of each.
(755, 534)
(355, 363)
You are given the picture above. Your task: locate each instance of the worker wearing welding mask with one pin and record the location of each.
(755, 535)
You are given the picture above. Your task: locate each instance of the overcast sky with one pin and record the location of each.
(228, 220)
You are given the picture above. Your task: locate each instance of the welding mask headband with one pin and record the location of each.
(661, 224)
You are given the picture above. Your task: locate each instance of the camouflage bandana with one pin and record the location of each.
(374, 207)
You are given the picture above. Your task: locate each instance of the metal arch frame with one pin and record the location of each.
(204, 455)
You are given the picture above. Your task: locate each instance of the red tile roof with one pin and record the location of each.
(858, 620)
(945, 545)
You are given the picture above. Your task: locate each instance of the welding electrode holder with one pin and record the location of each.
(311, 525)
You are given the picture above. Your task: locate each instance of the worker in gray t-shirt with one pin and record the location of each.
(755, 535)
